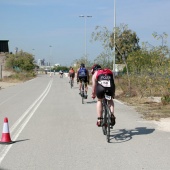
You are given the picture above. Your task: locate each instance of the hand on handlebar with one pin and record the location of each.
(77, 80)
(93, 96)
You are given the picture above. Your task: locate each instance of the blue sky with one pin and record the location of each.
(39, 24)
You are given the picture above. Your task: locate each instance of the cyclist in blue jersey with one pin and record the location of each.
(83, 74)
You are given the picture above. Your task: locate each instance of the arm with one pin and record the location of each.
(114, 87)
(94, 85)
(88, 76)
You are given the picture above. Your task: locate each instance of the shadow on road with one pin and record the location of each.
(20, 140)
(124, 135)
(12, 142)
(91, 102)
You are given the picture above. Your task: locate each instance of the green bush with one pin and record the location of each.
(165, 99)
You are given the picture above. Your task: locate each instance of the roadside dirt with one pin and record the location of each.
(150, 110)
(4, 85)
(5, 82)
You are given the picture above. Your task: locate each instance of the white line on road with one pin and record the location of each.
(21, 127)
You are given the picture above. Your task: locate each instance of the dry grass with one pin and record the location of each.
(149, 110)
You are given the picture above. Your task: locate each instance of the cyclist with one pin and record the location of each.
(103, 81)
(83, 73)
(71, 74)
(61, 73)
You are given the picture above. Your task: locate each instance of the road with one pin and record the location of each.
(52, 130)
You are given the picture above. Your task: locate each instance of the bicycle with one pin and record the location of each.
(61, 75)
(106, 123)
(71, 82)
(82, 93)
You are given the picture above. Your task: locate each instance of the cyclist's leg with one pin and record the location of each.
(99, 106)
(111, 92)
(80, 85)
(111, 105)
(73, 77)
(86, 87)
(69, 78)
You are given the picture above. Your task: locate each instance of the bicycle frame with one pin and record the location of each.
(82, 91)
(71, 82)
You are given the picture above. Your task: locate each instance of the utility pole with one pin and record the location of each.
(114, 48)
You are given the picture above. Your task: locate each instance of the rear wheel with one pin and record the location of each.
(82, 93)
(108, 124)
(71, 83)
(104, 123)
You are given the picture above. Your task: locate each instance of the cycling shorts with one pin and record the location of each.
(100, 91)
(72, 75)
(83, 78)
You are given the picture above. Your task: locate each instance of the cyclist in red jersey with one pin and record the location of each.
(103, 82)
(71, 74)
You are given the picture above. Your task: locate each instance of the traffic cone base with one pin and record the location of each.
(5, 139)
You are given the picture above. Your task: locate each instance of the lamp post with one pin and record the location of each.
(114, 51)
(33, 53)
(85, 42)
(50, 58)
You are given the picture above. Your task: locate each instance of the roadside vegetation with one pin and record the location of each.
(21, 65)
(146, 72)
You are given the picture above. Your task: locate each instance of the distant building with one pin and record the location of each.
(119, 69)
(57, 64)
(4, 46)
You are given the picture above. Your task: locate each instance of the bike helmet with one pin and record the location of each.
(82, 65)
(94, 68)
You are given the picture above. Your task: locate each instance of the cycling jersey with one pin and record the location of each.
(105, 77)
(82, 72)
(71, 71)
(105, 83)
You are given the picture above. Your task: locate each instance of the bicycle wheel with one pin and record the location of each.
(71, 83)
(104, 123)
(108, 124)
(82, 93)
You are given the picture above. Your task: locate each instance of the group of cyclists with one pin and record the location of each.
(102, 82)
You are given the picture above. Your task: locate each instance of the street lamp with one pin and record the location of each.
(33, 52)
(114, 51)
(87, 16)
(50, 59)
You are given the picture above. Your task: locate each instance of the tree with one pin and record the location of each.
(104, 60)
(102, 34)
(22, 61)
(126, 42)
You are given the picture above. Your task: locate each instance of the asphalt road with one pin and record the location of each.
(52, 130)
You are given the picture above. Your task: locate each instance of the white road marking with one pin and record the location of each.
(34, 106)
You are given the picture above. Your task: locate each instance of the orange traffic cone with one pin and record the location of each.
(5, 139)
